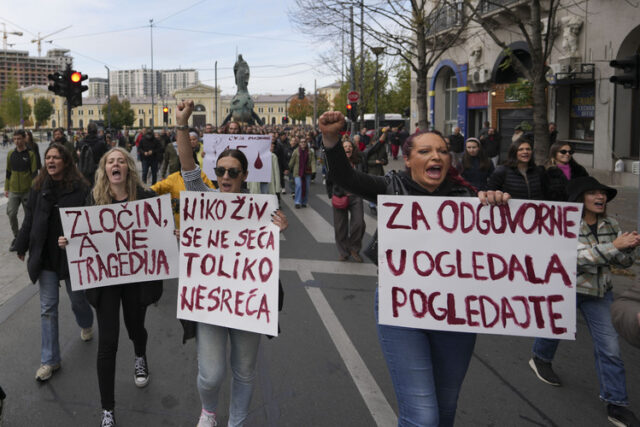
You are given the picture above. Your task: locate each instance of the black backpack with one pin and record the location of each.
(86, 163)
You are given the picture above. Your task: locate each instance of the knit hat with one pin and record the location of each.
(578, 186)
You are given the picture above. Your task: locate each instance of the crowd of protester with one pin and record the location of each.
(427, 367)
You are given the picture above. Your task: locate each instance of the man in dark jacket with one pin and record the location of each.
(94, 145)
(491, 145)
(150, 148)
(60, 138)
(20, 170)
(456, 145)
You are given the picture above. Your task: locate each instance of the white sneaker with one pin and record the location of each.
(108, 419)
(207, 419)
(86, 334)
(141, 375)
(45, 372)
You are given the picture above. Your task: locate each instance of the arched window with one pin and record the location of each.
(451, 103)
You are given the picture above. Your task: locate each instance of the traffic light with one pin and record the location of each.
(285, 120)
(301, 93)
(165, 115)
(630, 77)
(352, 111)
(75, 87)
(59, 85)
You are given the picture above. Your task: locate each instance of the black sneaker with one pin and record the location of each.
(108, 418)
(544, 371)
(141, 375)
(2, 397)
(621, 416)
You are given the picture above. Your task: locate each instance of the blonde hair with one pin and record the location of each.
(102, 194)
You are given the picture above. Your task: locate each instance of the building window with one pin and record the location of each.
(451, 104)
(271, 109)
(582, 114)
(280, 109)
(260, 109)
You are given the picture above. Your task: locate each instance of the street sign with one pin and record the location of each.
(353, 96)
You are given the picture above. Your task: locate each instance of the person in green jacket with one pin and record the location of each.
(21, 169)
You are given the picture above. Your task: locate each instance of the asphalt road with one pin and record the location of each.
(325, 368)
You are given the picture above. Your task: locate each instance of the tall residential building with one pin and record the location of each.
(173, 80)
(98, 88)
(30, 70)
(139, 83)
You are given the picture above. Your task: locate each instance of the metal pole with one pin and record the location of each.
(353, 63)
(315, 103)
(216, 100)
(376, 99)
(108, 97)
(362, 91)
(68, 117)
(152, 78)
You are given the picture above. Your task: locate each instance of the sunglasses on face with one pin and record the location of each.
(565, 151)
(233, 172)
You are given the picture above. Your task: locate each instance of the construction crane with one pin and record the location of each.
(40, 39)
(5, 33)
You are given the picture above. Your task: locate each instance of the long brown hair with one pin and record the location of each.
(70, 174)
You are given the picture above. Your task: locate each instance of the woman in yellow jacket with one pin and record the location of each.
(174, 184)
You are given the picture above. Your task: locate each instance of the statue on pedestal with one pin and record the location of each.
(242, 105)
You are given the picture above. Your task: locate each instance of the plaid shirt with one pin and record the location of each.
(595, 255)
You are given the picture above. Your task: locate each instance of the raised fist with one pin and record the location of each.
(330, 124)
(183, 112)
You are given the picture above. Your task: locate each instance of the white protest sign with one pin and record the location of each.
(452, 264)
(120, 243)
(229, 260)
(257, 148)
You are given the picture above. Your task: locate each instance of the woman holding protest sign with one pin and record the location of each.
(211, 340)
(601, 244)
(59, 185)
(427, 367)
(117, 181)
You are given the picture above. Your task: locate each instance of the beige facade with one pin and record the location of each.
(330, 92)
(468, 85)
(270, 108)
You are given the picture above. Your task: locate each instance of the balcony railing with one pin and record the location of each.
(488, 6)
(445, 17)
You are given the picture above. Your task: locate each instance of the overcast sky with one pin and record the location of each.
(186, 34)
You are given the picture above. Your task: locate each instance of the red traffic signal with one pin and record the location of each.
(76, 77)
(165, 110)
(349, 107)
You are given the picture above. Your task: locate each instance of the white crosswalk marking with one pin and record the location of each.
(320, 229)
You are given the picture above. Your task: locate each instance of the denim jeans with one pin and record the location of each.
(211, 342)
(606, 350)
(300, 181)
(427, 369)
(13, 203)
(49, 298)
(150, 162)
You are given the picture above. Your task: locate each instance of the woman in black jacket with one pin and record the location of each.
(562, 168)
(348, 231)
(117, 181)
(519, 176)
(475, 166)
(59, 185)
(427, 367)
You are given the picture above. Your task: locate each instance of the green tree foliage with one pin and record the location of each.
(42, 110)
(398, 97)
(10, 105)
(299, 109)
(322, 103)
(121, 112)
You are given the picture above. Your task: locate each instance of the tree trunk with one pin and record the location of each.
(421, 69)
(540, 123)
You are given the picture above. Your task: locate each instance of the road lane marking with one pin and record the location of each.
(371, 393)
(315, 224)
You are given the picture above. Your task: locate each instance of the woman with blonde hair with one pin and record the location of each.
(117, 181)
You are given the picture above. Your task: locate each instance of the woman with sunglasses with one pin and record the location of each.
(211, 340)
(562, 168)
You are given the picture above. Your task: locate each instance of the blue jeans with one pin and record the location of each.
(149, 163)
(300, 181)
(49, 298)
(211, 342)
(427, 369)
(606, 350)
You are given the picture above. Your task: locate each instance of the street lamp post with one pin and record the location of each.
(108, 98)
(376, 51)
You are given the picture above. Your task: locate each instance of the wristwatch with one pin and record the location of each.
(182, 127)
